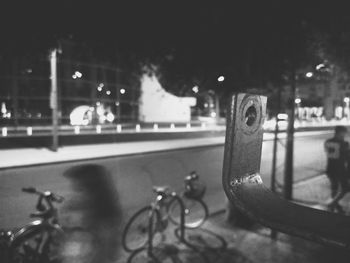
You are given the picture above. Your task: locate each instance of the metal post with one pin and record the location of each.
(288, 169)
(15, 91)
(274, 156)
(117, 94)
(53, 98)
(217, 108)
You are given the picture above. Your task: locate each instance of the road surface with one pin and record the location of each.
(134, 175)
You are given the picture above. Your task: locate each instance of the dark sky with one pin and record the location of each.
(202, 36)
(139, 24)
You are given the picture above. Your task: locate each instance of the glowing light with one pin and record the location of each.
(4, 131)
(98, 128)
(117, 103)
(297, 100)
(138, 128)
(122, 91)
(195, 89)
(213, 114)
(309, 74)
(188, 125)
(29, 131)
(172, 126)
(221, 78)
(76, 129)
(119, 128)
(155, 127)
(74, 76)
(78, 74)
(98, 103)
(110, 117)
(80, 115)
(346, 99)
(3, 108)
(100, 86)
(319, 66)
(108, 92)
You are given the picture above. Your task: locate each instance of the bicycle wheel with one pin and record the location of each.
(196, 212)
(136, 231)
(37, 244)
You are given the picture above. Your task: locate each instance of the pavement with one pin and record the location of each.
(241, 245)
(21, 157)
(220, 241)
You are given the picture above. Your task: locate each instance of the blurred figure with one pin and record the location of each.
(95, 210)
(337, 150)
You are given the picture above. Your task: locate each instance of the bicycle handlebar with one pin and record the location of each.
(49, 196)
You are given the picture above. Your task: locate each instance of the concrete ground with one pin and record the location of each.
(240, 245)
(220, 241)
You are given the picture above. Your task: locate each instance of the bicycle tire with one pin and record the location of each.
(190, 220)
(143, 234)
(19, 245)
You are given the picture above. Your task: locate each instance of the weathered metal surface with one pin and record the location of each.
(243, 185)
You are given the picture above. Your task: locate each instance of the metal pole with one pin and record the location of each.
(274, 156)
(217, 108)
(53, 98)
(288, 169)
(117, 94)
(15, 91)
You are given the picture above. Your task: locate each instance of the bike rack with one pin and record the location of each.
(244, 188)
(182, 225)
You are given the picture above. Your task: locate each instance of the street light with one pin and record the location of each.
(309, 74)
(100, 86)
(195, 89)
(78, 74)
(320, 66)
(122, 91)
(221, 78)
(297, 100)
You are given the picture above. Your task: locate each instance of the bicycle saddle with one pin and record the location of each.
(160, 189)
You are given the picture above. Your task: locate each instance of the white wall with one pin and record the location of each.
(158, 105)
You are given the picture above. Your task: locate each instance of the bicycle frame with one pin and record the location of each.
(155, 206)
(48, 220)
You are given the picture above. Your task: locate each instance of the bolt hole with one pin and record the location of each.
(250, 116)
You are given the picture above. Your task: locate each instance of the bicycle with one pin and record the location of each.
(40, 240)
(149, 220)
(196, 211)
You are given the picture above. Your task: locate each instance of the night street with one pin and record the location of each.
(141, 171)
(174, 132)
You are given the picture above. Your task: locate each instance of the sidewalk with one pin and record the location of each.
(315, 192)
(11, 158)
(35, 156)
(221, 242)
(241, 246)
